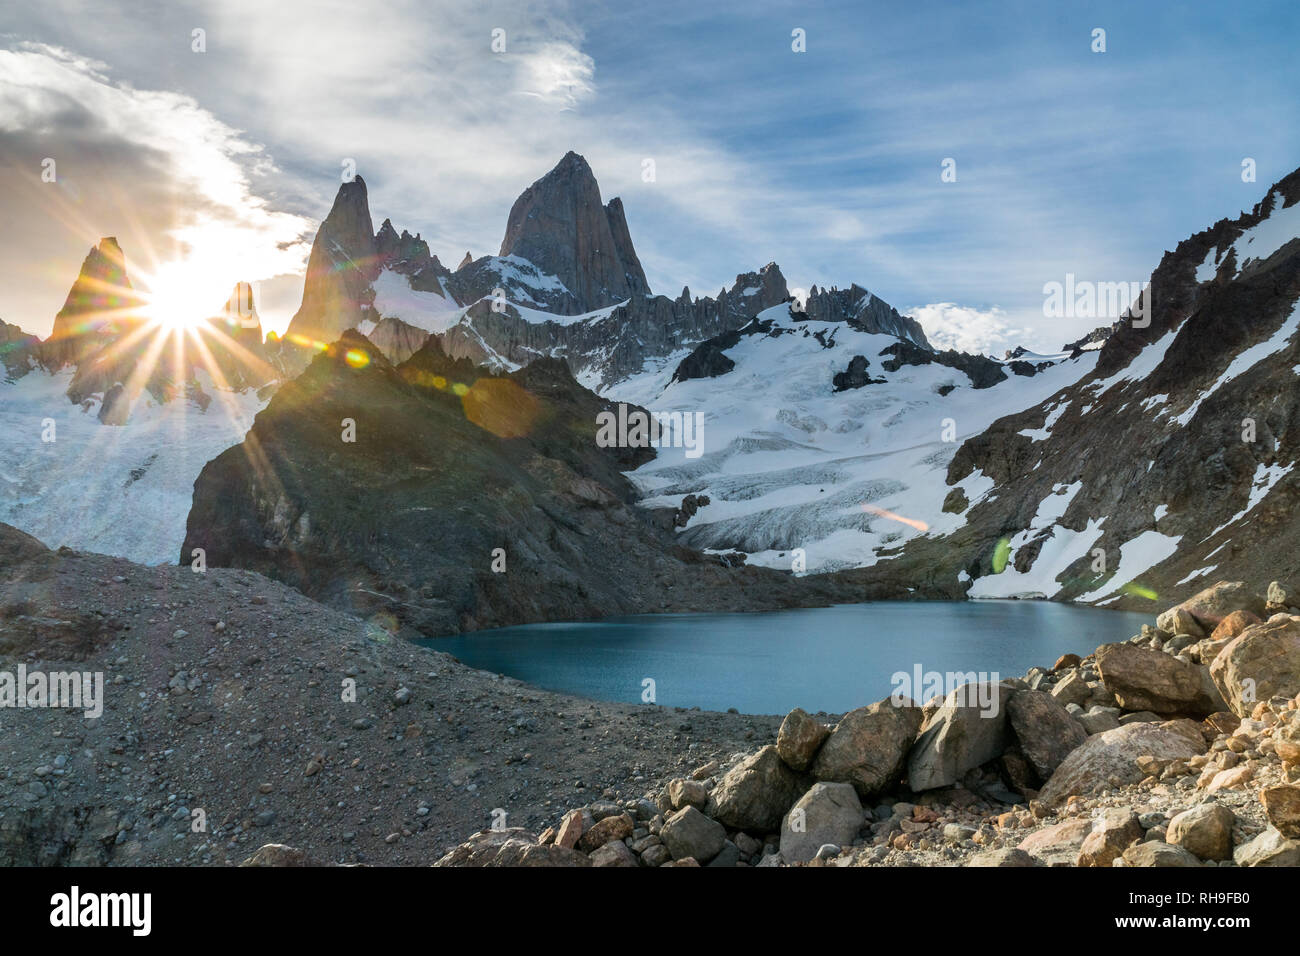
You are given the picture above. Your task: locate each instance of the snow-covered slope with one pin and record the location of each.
(788, 462)
(1172, 463)
(121, 490)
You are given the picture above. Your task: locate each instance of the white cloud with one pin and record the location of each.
(152, 167)
(951, 326)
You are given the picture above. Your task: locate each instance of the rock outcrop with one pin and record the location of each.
(561, 226)
(357, 465)
(101, 307)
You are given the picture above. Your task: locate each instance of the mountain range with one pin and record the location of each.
(842, 456)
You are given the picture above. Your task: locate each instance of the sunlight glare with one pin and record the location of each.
(181, 295)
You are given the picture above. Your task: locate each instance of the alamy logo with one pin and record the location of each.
(77, 690)
(75, 909)
(637, 428)
(971, 688)
(1074, 299)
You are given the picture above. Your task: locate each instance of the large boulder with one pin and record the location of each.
(1143, 679)
(614, 827)
(1155, 853)
(828, 813)
(868, 747)
(970, 729)
(1114, 832)
(1209, 607)
(1282, 805)
(1270, 848)
(755, 794)
(1058, 844)
(510, 847)
(1259, 663)
(1205, 830)
(799, 738)
(1230, 627)
(689, 833)
(1046, 731)
(1109, 759)
(1007, 856)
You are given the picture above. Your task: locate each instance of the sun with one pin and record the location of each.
(181, 295)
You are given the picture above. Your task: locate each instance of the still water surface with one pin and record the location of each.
(821, 659)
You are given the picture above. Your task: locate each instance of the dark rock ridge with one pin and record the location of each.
(19, 351)
(855, 376)
(448, 465)
(862, 311)
(1198, 415)
(983, 371)
(615, 345)
(709, 358)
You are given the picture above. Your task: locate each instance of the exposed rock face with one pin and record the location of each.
(617, 342)
(397, 339)
(510, 464)
(560, 225)
(19, 352)
(234, 352)
(101, 306)
(861, 310)
(116, 407)
(855, 376)
(344, 262)
(119, 353)
(982, 370)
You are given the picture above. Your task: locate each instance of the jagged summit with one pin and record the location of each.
(561, 226)
(101, 303)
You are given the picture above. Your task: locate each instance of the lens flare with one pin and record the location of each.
(892, 516)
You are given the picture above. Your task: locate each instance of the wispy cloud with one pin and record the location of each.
(825, 161)
(91, 157)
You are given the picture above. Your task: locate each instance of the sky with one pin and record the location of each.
(215, 165)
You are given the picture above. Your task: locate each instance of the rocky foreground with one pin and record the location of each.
(228, 736)
(224, 727)
(1179, 747)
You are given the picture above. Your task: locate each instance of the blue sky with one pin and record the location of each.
(827, 161)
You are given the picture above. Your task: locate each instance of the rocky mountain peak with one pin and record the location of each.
(466, 261)
(99, 305)
(560, 224)
(344, 261)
